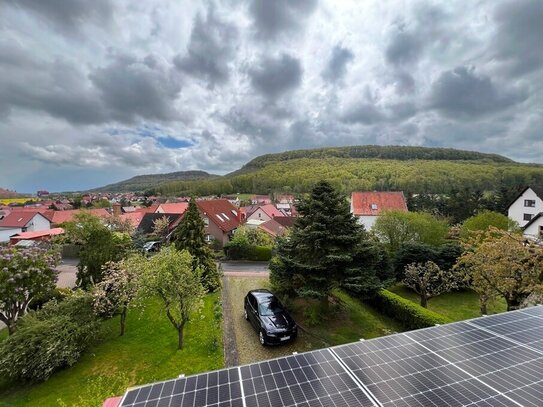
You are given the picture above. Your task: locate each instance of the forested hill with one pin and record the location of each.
(143, 182)
(414, 170)
(377, 152)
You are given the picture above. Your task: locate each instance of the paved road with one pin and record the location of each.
(245, 267)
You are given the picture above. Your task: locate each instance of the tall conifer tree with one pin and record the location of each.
(190, 236)
(325, 250)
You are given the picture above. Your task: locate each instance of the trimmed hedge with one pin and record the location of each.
(242, 252)
(411, 315)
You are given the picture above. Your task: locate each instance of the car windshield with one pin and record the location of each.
(272, 307)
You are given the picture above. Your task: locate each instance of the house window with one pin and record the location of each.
(529, 203)
(374, 206)
(540, 231)
(528, 216)
(206, 221)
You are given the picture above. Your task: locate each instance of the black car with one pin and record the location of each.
(270, 319)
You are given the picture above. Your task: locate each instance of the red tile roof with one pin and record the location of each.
(179, 207)
(18, 219)
(278, 225)
(221, 212)
(134, 217)
(37, 234)
(373, 203)
(271, 210)
(59, 217)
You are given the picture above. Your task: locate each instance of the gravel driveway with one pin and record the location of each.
(241, 340)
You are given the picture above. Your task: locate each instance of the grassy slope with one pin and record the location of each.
(350, 321)
(147, 353)
(458, 305)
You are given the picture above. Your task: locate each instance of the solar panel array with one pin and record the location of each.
(490, 361)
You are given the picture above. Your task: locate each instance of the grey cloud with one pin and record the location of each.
(460, 92)
(365, 113)
(272, 18)
(404, 48)
(337, 64)
(71, 14)
(404, 82)
(519, 35)
(62, 92)
(273, 77)
(132, 88)
(211, 48)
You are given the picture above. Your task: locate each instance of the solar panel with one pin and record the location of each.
(489, 361)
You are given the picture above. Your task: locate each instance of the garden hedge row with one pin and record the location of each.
(410, 314)
(255, 253)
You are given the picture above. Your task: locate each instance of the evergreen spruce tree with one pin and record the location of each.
(190, 236)
(326, 249)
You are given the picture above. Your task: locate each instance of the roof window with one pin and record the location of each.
(373, 206)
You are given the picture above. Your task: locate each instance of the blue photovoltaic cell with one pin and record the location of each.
(494, 361)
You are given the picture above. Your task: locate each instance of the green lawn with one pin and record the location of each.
(457, 305)
(148, 352)
(351, 320)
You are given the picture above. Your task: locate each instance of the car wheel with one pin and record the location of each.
(245, 313)
(262, 338)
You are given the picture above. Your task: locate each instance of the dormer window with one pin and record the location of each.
(374, 206)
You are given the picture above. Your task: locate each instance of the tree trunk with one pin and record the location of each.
(325, 304)
(424, 301)
(512, 303)
(180, 335)
(11, 327)
(483, 304)
(123, 320)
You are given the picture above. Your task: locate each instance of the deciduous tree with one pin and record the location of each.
(169, 275)
(24, 275)
(428, 280)
(500, 263)
(485, 219)
(119, 288)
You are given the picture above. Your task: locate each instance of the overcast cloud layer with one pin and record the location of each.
(92, 92)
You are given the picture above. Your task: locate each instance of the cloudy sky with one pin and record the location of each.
(92, 92)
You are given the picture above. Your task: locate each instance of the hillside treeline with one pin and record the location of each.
(381, 152)
(412, 177)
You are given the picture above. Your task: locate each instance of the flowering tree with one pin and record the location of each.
(24, 274)
(169, 276)
(500, 263)
(161, 226)
(428, 280)
(118, 288)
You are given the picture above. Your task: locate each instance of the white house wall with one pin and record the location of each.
(367, 221)
(532, 231)
(259, 214)
(517, 209)
(37, 223)
(6, 233)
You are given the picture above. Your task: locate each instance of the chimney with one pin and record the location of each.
(116, 209)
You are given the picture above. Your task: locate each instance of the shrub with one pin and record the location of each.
(237, 251)
(260, 253)
(410, 314)
(49, 339)
(57, 294)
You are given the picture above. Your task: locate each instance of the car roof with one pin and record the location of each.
(261, 294)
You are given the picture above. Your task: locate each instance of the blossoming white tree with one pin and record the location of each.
(24, 274)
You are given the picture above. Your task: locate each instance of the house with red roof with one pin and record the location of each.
(22, 221)
(277, 226)
(59, 217)
(177, 207)
(261, 199)
(221, 219)
(367, 206)
(265, 213)
(36, 236)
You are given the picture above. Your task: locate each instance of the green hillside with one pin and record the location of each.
(414, 170)
(143, 182)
